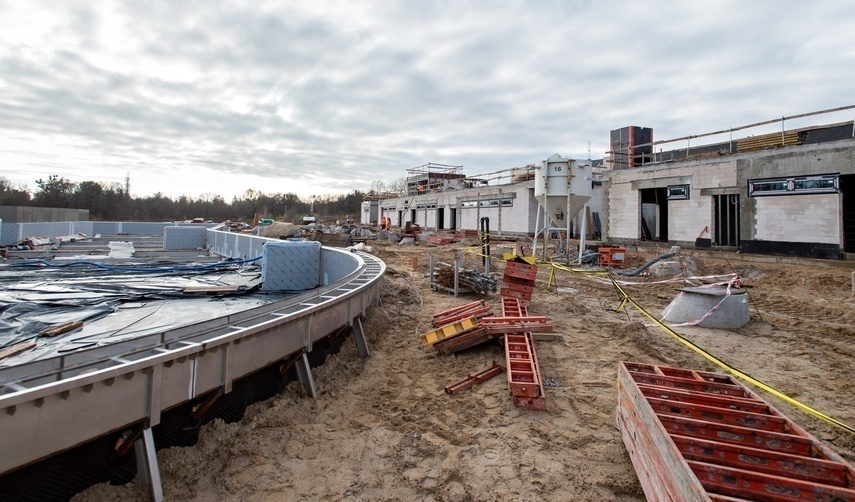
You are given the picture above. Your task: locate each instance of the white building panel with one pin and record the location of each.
(798, 218)
(624, 211)
(687, 218)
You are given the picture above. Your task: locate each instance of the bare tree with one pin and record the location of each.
(397, 186)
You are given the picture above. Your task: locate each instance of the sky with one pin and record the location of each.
(325, 97)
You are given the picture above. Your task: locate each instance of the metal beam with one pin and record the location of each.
(147, 470)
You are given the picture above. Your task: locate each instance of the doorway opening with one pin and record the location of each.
(654, 214)
(847, 192)
(726, 220)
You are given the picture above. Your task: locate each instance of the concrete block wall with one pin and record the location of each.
(798, 218)
(804, 160)
(686, 218)
(623, 212)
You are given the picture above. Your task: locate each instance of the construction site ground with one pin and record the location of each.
(382, 428)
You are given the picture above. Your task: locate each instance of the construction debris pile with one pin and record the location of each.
(472, 279)
(473, 324)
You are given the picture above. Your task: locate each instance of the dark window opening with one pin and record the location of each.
(654, 214)
(726, 222)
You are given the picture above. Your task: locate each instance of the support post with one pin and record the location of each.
(569, 219)
(457, 275)
(537, 215)
(359, 336)
(304, 374)
(582, 233)
(148, 472)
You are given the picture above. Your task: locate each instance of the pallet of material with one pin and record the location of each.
(476, 309)
(450, 330)
(440, 240)
(463, 341)
(766, 141)
(518, 280)
(694, 435)
(521, 270)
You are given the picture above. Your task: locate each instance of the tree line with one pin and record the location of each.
(113, 202)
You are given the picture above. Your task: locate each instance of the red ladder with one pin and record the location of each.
(524, 379)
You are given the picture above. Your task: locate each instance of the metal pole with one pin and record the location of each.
(582, 233)
(730, 144)
(457, 275)
(728, 220)
(782, 131)
(537, 217)
(567, 238)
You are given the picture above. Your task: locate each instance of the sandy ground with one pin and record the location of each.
(383, 429)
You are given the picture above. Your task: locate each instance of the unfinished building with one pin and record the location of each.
(789, 193)
(449, 201)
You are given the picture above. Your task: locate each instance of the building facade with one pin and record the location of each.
(796, 199)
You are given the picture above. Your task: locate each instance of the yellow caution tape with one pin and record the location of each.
(735, 372)
(625, 299)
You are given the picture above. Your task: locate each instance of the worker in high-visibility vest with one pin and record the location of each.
(383, 223)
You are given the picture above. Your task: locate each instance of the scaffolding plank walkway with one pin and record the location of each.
(693, 435)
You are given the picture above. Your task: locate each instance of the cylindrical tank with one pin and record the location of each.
(551, 178)
(558, 179)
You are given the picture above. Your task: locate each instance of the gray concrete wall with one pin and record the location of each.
(27, 214)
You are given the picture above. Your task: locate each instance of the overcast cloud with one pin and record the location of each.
(325, 97)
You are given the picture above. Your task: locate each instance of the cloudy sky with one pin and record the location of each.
(324, 97)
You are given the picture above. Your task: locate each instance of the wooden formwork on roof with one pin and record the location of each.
(766, 141)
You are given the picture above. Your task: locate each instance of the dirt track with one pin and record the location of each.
(383, 429)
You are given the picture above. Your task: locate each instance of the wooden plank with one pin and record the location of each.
(547, 337)
(61, 328)
(211, 289)
(16, 349)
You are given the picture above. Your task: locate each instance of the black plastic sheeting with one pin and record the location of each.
(35, 298)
